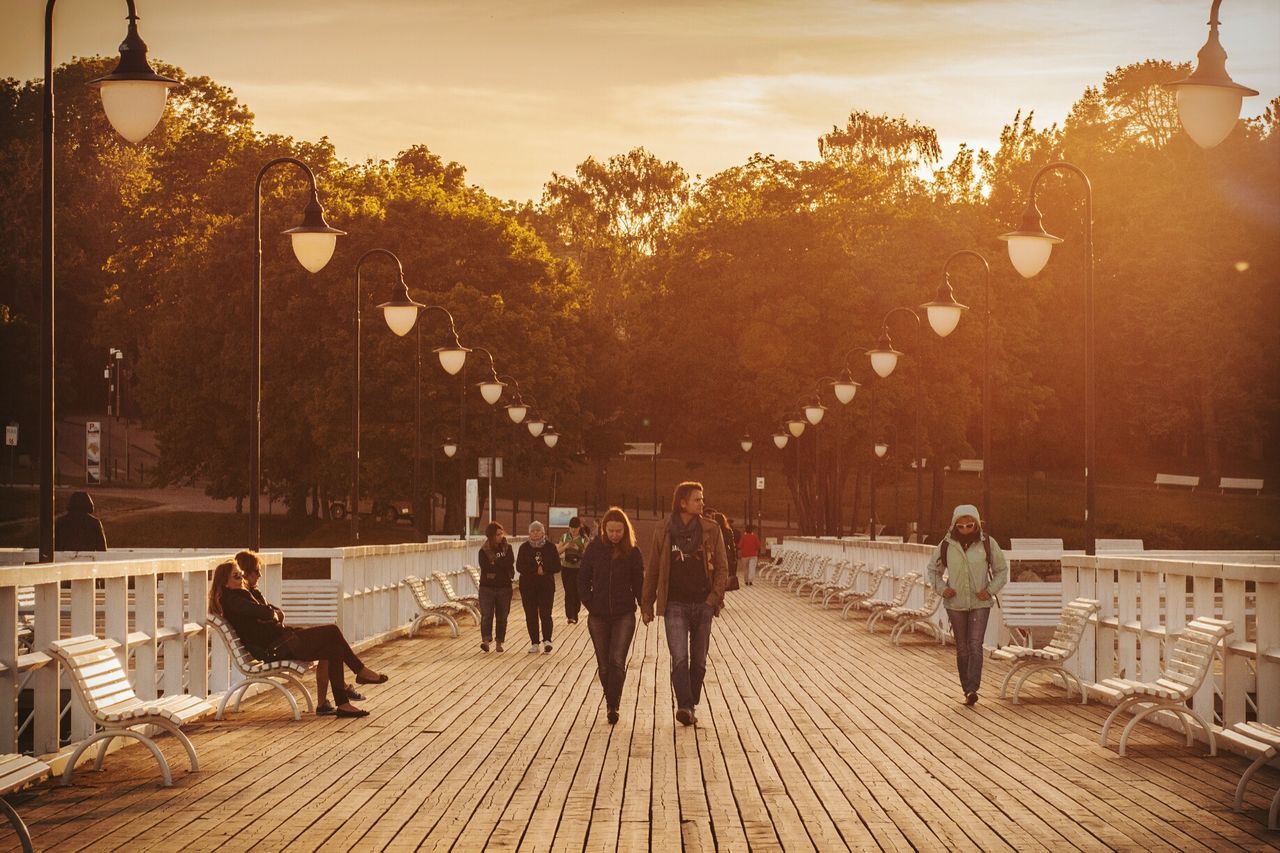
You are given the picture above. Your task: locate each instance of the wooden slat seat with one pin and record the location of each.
(474, 572)
(877, 607)
(310, 602)
(102, 687)
(852, 597)
(1262, 742)
(838, 580)
(446, 612)
(847, 582)
(470, 602)
(822, 573)
(1187, 665)
(278, 674)
(1065, 643)
(781, 558)
(910, 618)
(16, 772)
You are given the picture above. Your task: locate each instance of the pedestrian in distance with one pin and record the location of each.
(497, 570)
(967, 569)
(748, 554)
(730, 546)
(538, 562)
(570, 548)
(611, 582)
(79, 529)
(685, 575)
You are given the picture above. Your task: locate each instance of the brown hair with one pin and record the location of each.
(682, 493)
(491, 530)
(221, 574)
(628, 537)
(249, 562)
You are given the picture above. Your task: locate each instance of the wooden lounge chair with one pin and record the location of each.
(446, 612)
(1261, 741)
(102, 687)
(474, 572)
(814, 570)
(1187, 665)
(851, 597)
(797, 568)
(1065, 643)
(781, 560)
(879, 606)
(470, 602)
(909, 618)
(278, 674)
(844, 573)
(825, 573)
(16, 772)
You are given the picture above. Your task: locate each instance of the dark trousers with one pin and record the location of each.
(323, 642)
(572, 603)
(969, 627)
(495, 602)
(688, 637)
(611, 637)
(536, 595)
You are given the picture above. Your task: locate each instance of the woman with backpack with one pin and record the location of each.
(611, 581)
(571, 546)
(497, 568)
(967, 570)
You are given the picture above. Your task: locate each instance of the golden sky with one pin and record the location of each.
(514, 91)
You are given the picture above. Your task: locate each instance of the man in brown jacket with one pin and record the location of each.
(686, 572)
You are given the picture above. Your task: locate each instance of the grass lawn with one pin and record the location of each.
(24, 503)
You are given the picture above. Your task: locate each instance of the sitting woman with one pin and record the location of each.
(260, 628)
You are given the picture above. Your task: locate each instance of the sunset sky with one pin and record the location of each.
(514, 91)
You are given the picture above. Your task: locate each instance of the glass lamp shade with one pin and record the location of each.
(845, 389)
(1209, 113)
(535, 426)
(491, 391)
(551, 436)
(796, 427)
(449, 447)
(883, 361)
(400, 318)
(452, 358)
(944, 318)
(1029, 253)
(780, 439)
(517, 411)
(134, 107)
(746, 444)
(313, 250)
(881, 449)
(814, 411)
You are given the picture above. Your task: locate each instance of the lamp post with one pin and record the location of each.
(746, 444)
(1209, 100)
(450, 447)
(814, 411)
(313, 244)
(884, 358)
(845, 389)
(491, 393)
(944, 315)
(133, 97)
(1029, 250)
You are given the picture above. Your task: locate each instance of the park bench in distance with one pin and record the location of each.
(1243, 483)
(1183, 480)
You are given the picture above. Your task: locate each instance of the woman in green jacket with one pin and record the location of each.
(967, 570)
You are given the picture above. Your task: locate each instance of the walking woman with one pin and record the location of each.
(967, 570)
(538, 563)
(497, 568)
(260, 627)
(610, 583)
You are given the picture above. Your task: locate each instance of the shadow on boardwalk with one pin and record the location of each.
(812, 735)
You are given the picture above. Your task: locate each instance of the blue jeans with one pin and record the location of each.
(969, 627)
(688, 636)
(611, 637)
(494, 601)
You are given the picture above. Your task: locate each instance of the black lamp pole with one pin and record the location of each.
(915, 432)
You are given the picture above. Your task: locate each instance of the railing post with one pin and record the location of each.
(45, 681)
(198, 643)
(1149, 618)
(82, 623)
(9, 676)
(144, 620)
(1268, 642)
(174, 643)
(1203, 598)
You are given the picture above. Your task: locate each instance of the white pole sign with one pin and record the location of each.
(93, 452)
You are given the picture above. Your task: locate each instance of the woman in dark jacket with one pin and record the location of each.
(80, 529)
(261, 629)
(610, 582)
(538, 562)
(497, 568)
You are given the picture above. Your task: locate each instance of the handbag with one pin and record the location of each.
(733, 582)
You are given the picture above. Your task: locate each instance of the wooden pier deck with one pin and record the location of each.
(813, 734)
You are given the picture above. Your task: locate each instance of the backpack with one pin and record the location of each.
(986, 545)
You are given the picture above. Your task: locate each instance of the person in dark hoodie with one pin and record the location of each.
(967, 570)
(610, 583)
(497, 568)
(538, 563)
(80, 529)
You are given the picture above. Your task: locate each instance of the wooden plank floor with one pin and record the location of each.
(812, 735)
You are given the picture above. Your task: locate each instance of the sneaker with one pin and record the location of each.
(498, 647)
(484, 647)
(546, 647)
(533, 648)
(323, 709)
(971, 698)
(613, 717)
(572, 621)
(684, 716)
(354, 695)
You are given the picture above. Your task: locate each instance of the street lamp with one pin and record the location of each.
(780, 440)
(1209, 100)
(133, 97)
(1029, 249)
(746, 444)
(550, 436)
(313, 244)
(491, 392)
(450, 447)
(884, 358)
(944, 314)
(881, 449)
(535, 425)
(795, 425)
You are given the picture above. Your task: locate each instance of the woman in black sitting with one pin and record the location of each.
(261, 630)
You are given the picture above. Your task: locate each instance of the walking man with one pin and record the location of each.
(685, 574)
(571, 547)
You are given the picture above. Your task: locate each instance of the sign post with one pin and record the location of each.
(93, 453)
(473, 505)
(11, 442)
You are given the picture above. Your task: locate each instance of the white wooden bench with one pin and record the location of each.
(837, 579)
(877, 607)
(1066, 641)
(1186, 666)
(1024, 606)
(470, 602)
(825, 573)
(446, 612)
(102, 687)
(16, 772)
(910, 618)
(971, 466)
(310, 602)
(278, 674)
(1262, 742)
(851, 596)
(1183, 480)
(1036, 549)
(1119, 546)
(1244, 483)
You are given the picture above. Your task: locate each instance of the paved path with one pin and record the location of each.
(812, 735)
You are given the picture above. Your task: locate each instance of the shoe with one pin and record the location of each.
(484, 647)
(323, 709)
(498, 648)
(354, 695)
(358, 712)
(684, 716)
(381, 679)
(534, 648)
(572, 621)
(970, 698)
(613, 717)
(546, 647)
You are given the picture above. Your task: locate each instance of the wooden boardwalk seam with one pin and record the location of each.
(812, 735)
